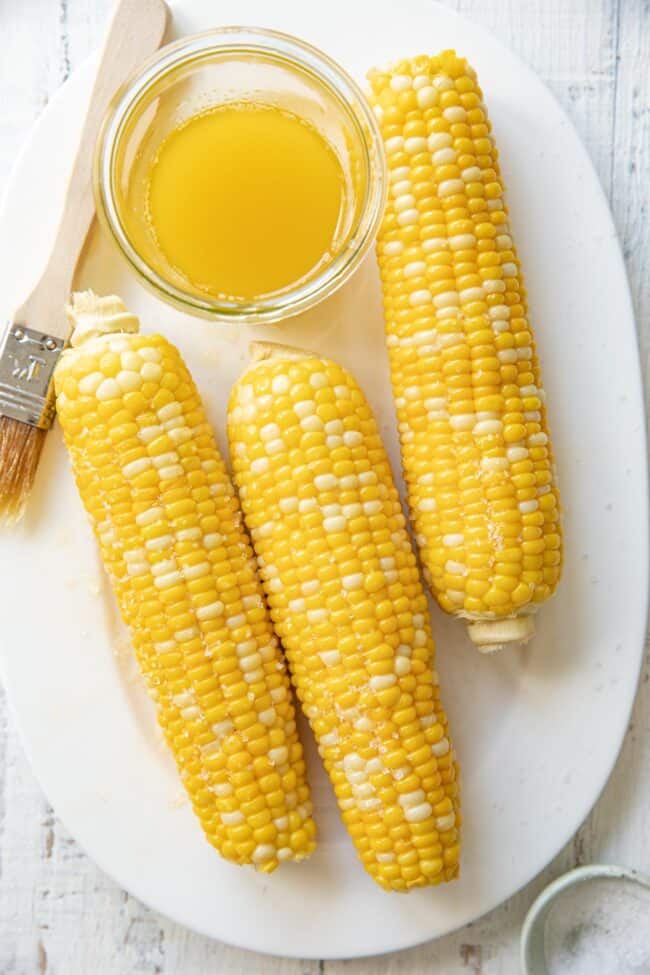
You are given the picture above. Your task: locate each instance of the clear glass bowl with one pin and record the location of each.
(236, 64)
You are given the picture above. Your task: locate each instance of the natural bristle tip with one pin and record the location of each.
(20, 451)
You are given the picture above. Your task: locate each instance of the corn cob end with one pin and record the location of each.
(488, 636)
(92, 315)
(260, 351)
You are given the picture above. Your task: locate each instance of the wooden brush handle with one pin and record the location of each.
(136, 30)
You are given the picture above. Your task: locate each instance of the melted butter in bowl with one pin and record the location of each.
(242, 200)
(241, 174)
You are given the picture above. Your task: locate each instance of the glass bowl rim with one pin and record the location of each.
(297, 54)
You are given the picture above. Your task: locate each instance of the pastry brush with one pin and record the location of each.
(37, 331)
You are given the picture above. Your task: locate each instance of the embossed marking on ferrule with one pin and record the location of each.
(27, 361)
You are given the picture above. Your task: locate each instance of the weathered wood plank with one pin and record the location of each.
(27, 81)
(619, 829)
(85, 23)
(572, 46)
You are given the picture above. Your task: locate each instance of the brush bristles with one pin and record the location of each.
(20, 451)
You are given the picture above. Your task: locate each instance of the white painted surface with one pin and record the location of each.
(57, 912)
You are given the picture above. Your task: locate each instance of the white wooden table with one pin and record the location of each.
(58, 913)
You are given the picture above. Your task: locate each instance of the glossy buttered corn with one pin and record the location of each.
(342, 583)
(475, 447)
(171, 537)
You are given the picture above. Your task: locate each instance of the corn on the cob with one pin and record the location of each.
(170, 532)
(475, 447)
(342, 583)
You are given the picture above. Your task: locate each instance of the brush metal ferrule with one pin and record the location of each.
(27, 361)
